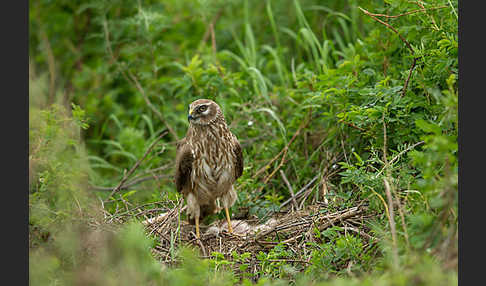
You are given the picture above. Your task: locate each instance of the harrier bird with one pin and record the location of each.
(208, 161)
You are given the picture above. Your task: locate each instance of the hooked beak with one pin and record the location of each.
(190, 117)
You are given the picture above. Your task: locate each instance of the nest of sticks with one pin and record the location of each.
(293, 229)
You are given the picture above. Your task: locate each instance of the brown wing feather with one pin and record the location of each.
(239, 159)
(183, 170)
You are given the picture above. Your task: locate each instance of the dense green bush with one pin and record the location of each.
(107, 77)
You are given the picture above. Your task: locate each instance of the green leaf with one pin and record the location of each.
(428, 127)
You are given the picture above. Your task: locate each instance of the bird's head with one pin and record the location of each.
(203, 112)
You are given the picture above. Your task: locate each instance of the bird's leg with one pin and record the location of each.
(196, 218)
(230, 228)
(228, 199)
(193, 210)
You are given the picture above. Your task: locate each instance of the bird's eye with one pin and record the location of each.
(202, 108)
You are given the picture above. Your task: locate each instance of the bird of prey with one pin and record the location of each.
(208, 162)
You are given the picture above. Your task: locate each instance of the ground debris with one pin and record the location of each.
(292, 229)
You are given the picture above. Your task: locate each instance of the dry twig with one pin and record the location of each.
(126, 175)
(132, 79)
(391, 218)
(293, 229)
(213, 45)
(151, 106)
(299, 192)
(207, 33)
(291, 190)
(283, 151)
(351, 212)
(131, 183)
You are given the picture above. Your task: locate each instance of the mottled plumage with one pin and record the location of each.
(209, 160)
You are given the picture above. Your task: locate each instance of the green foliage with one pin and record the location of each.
(273, 264)
(419, 271)
(334, 256)
(79, 116)
(106, 77)
(195, 271)
(85, 256)
(58, 168)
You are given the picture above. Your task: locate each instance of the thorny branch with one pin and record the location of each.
(389, 27)
(373, 16)
(407, 13)
(352, 125)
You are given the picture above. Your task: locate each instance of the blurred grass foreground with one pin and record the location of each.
(338, 105)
